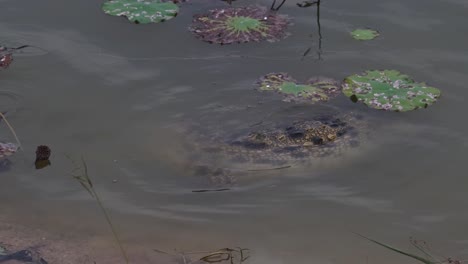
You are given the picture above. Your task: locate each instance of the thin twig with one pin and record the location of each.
(211, 190)
(273, 8)
(423, 260)
(269, 169)
(12, 130)
(319, 52)
(6, 50)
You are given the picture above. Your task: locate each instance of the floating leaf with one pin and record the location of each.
(142, 11)
(6, 57)
(243, 24)
(364, 34)
(315, 90)
(389, 90)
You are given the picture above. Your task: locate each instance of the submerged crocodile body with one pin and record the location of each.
(302, 142)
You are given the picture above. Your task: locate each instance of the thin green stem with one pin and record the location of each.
(86, 182)
(114, 231)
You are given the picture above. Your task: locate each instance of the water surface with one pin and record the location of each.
(114, 92)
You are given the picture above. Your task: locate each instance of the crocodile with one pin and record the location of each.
(294, 143)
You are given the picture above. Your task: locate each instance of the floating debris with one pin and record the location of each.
(243, 24)
(236, 255)
(7, 149)
(314, 90)
(276, 8)
(364, 34)
(42, 157)
(307, 3)
(24, 256)
(211, 190)
(3, 117)
(6, 58)
(227, 254)
(142, 11)
(6, 55)
(428, 257)
(389, 90)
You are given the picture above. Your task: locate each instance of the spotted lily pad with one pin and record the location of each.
(142, 11)
(364, 34)
(243, 24)
(314, 90)
(389, 90)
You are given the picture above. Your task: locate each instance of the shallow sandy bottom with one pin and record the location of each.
(61, 249)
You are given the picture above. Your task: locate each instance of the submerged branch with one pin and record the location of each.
(269, 169)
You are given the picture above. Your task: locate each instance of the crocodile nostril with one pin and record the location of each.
(295, 133)
(317, 140)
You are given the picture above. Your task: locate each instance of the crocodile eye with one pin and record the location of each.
(331, 137)
(295, 133)
(317, 140)
(257, 136)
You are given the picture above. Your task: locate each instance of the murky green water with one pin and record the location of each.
(113, 91)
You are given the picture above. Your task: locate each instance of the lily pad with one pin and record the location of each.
(7, 149)
(364, 34)
(243, 24)
(314, 90)
(389, 90)
(142, 11)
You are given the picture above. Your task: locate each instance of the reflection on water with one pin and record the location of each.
(119, 94)
(319, 30)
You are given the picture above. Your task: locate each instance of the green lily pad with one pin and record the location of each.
(389, 90)
(314, 90)
(141, 11)
(364, 34)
